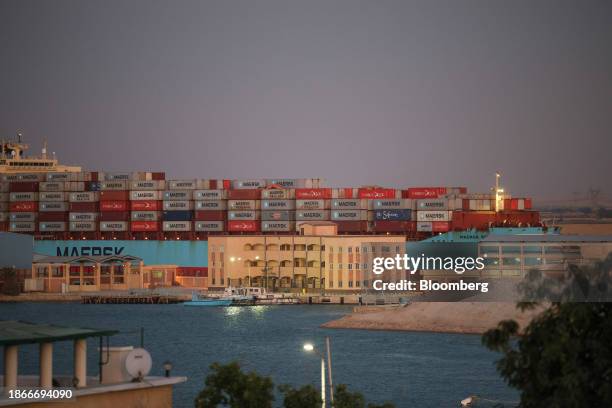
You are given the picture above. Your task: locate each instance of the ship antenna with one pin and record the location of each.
(19, 137)
(44, 149)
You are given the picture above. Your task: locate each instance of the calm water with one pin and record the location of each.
(409, 369)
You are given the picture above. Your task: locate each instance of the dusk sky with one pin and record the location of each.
(394, 93)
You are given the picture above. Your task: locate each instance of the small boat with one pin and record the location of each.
(196, 300)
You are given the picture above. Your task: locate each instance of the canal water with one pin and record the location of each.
(410, 369)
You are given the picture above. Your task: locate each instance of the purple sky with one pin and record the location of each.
(395, 93)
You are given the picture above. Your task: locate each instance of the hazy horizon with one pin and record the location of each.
(391, 93)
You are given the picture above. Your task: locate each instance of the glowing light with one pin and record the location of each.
(308, 347)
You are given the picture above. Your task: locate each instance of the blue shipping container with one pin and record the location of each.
(93, 186)
(392, 215)
(182, 215)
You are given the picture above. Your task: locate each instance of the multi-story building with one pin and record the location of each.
(316, 260)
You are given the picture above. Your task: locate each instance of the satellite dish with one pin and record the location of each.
(138, 363)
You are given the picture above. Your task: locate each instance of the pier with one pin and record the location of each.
(131, 299)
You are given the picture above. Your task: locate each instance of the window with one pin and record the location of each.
(533, 261)
(366, 282)
(357, 250)
(491, 261)
(552, 250)
(340, 249)
(365, 250)
(339, 284)
(350, 284)
(532, 249)
(513, 249)
(358, 283)
(213, 281)
(511, 261)
(356, 266)
(350, 250)
(489, 249)
(350, 266)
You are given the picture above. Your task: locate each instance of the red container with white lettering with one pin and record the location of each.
(24, 206)
(424, 192)
(113, 206)
(313, 193)
(243, 226)
(146, 205)
(145, 226)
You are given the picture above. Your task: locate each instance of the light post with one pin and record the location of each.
(310, 347)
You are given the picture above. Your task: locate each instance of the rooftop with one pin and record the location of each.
(15, 332)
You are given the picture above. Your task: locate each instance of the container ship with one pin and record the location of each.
(61, 205)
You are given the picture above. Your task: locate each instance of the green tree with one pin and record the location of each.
(303, 397)
(10, 283)
(563, 358)
(229, 386)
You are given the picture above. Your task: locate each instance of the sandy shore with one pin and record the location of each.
(445, 317)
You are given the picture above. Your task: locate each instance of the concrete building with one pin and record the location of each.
(316, 261)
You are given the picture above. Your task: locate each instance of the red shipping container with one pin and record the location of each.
(114, 195)
(246, 194)
(528, 203)
(83, 207)
(144, 226)
(394, 226)
(23, 186)
(313, 193)
(480, 220)
(217, 215)
(115, 216)
(24, 206)
(4, 226)
(158, 176)
(213, 185)
(94, 176)
(376, 193)
(424, 192)
(518, 218)
(113, 206)
(227, 184)
(146, 205)
(440, 226)
(462, 190)
(243, 226)
(352, 226)
(51, 216)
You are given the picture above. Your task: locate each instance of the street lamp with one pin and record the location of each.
(309, 347)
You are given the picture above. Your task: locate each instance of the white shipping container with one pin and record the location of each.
(178, 195)
(278, 194)
(432, 204)
(434, 215)
(83, 226)
(278, 204)
(49, 206)
(147, 185)
(280, 226)
(64, 176)
(248, 184)
(53, 196)
(244, 215)
(17, 197)
(342, 193)
(75, 186)
(85, 197)
(22, 226)
(52, 226)
(219, 205)
(178, 205)
(113, 185)
(52, 186)
(424, 226)
(209, 226)
(76, 216)
(145, 215)
(312, 215)
(23, 216)
(243, 204)
(106, 226)
(19, 177)
(145, 195)
(127, 176)
(392, 204)
(210, 195)
(176, 226)
(349, 215)
(181, 184)
(349, 204)
(312, 204)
